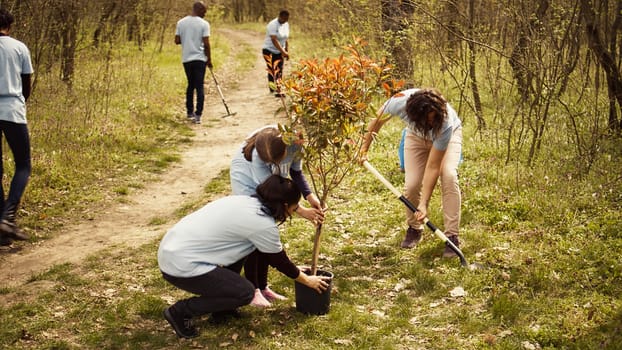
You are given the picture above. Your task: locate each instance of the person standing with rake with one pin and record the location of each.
(432, 150)
(192, 33)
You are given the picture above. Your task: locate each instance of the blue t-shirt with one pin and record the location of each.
(14, 61)
(219, 234)
(245, 176)
(282, 34)
(396, 106)
(192, 30)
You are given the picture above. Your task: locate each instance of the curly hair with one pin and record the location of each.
(421, 104)
(6, 19)
(269, 144)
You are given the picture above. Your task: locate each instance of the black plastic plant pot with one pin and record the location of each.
(309, 301)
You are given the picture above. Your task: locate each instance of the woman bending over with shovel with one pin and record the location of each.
(432, 148)
(204, 252)
(265, 153)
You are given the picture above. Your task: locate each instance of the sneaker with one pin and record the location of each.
(190, 116)
(413, 236)
(270, 295)
(259, 300)
(448, 252)
(182, 326)
(197, 121)
(221, 317)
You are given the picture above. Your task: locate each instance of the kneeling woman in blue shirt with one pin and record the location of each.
(205, 251)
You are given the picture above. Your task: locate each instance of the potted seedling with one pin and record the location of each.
(330, 102)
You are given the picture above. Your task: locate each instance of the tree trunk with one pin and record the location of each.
(606, 59)
(104, 20)
(396, 18)
(477, 102)
(318, 235)
(165, 22)
(316, 249)
(69, 36)
(520, 55)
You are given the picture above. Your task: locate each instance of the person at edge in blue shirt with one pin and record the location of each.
(16, 68)
(262, 154)
(204, 252)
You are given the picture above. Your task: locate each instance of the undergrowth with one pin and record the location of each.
(539, 288)
(548, 238)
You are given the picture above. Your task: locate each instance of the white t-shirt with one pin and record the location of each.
(245, 176)
(219, 234)
(14, 61)
(396, 106)
(192, 30)
(282, 34)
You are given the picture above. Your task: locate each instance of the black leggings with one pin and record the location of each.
(221, 289)
(256, 269)
(19, 142)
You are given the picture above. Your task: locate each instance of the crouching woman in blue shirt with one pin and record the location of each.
(204, 252)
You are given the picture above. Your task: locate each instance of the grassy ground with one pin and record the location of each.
(550, 248)
(539, 289)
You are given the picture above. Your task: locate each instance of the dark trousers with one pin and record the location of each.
(256, 269)
(19, 142)
(195, 73)
(274, 63)
(221, 289)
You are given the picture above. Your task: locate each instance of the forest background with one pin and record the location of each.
(537, 84)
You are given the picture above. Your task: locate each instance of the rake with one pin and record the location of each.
(426, 221)
(222, 97)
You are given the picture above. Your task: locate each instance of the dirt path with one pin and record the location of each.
(127, 224)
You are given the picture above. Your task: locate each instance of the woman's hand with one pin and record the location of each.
(314, 201)
(421, 213)
(319, 283)
(312, 214)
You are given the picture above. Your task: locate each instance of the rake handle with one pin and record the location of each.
(414, 209)
(222, 97)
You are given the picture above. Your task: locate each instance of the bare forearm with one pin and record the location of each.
(276, 44)
(429, 181)
(372, 131)
(431, 174)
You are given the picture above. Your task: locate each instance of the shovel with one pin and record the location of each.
(222, 97)
(426, 221)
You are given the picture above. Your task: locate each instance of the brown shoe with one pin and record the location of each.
(413, 236)
(448, 252)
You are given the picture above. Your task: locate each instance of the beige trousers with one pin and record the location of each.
(416, 151)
